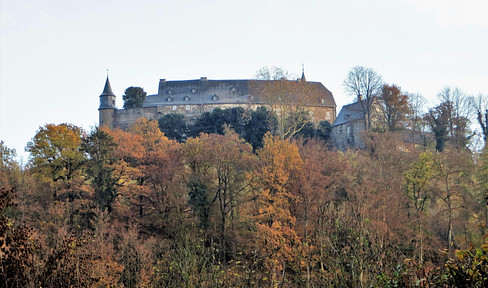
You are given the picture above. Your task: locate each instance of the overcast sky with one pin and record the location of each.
(54, 53)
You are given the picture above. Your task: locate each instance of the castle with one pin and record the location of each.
(194, 97)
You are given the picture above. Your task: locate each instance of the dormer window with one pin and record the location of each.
(323, 101)
(187, 98)
(347, 116)
(215, 97)
(170, 91)
(193, 90)
(169, 99)
(232, 89)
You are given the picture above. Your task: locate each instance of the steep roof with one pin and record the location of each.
(349, 113)
(203, 91)
(107, 90)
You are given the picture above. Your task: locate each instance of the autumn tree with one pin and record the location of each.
(277, 241)
(395, 105)
(160, 186)
(450, 185)
(230, 158)
(364, 84)
(18, 246)
(134, 97)
(417, 187)
(9, 168)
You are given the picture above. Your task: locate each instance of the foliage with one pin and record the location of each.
(134, 97)
(396, 106)
(100, 147)
(438, 118)
(173, 126)
(17, 246)
(214, 211)
(9, 169)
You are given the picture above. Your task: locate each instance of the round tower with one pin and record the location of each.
(107, 108)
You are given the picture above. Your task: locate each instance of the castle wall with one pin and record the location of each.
(126, 117)
(123, 118)
(348, 135)
(106, 117)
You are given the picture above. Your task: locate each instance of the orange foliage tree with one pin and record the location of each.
(277, 242)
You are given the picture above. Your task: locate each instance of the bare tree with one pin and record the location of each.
(363, 83)
(286, 98)
(459, 114)
(273, 73)
(480, 106)
(416, 122)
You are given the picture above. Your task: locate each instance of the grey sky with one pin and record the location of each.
(54, 54)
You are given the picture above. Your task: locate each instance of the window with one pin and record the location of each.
(175, 107)
(169, 99)
(327, 115)
(186, 99)
(215, 97)
(187, 107)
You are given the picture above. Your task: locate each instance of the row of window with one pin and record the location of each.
(187, 98)
(170, 91)
(187, 107)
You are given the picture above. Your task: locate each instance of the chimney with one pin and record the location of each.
(203, 79)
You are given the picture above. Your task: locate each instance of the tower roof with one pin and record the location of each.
(303, 74)
(107, 90)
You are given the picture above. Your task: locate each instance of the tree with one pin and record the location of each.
(438, 120)
(417, 180)
(273, 73)
(396, 106)
(261, 122)
(173, 126)
(100, 167)
(287, 100)
(134, 97)
(451, 182)
(9, 168)
(416, 122)
(209, 122)
(480, 106)
(55, 154)
(363, 83)
(277, 241)
(458, 110)
(17, 247)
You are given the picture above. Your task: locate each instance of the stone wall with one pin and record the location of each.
(123, 118)
(348, 135)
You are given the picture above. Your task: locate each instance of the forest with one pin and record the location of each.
(242, 206)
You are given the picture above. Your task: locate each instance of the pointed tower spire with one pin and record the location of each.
(303, 74)
(107, 90)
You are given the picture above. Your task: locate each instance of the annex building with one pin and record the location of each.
(194, 97)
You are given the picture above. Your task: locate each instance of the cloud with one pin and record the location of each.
(455, 13)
